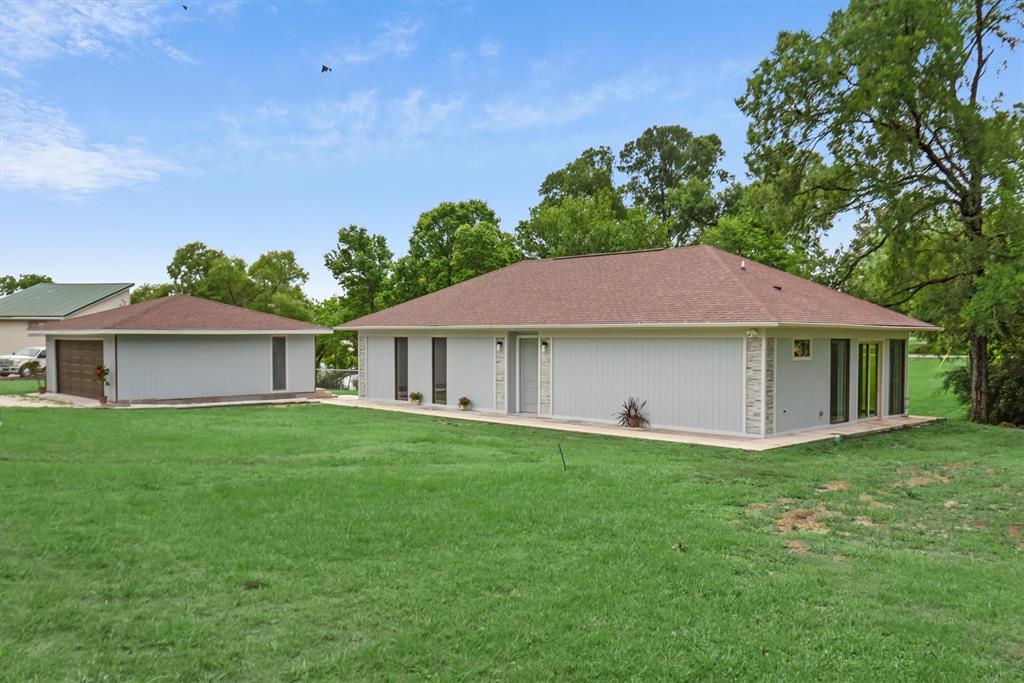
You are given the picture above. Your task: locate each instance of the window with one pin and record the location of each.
(897, 384)
(867, 383)
(801, 349)
(279, 363)
(439, 362)
(401, 368)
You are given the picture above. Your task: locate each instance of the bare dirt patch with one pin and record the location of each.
(1014, 530)
(804, 519)
(797, 548)
(837, 485)
(915, 477)
(874, 504)
(839, 558)
(757, 508)
(951, 504)
(955, 465)
(864, 521)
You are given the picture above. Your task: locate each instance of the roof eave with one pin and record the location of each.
(110, 330)
(923, 327)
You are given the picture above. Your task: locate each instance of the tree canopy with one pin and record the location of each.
(10, 284)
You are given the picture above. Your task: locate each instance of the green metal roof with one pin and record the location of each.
(53, 300)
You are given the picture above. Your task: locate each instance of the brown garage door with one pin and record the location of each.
(76, 367)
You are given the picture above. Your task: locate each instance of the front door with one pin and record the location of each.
(528, 375)
(867, 384)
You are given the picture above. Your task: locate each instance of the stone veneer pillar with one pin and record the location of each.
(500, 394)
(361, 353)
(544, 391)
(753, 376)
(769, 388)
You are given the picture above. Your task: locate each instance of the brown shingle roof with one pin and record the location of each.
(697, 285)
(181, 312)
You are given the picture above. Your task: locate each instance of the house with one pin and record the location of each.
(25, 310)
(713, 342)
(181, 348)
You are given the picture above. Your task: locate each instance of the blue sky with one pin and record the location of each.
(131, 129)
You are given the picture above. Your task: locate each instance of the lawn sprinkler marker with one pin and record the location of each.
(563, 456)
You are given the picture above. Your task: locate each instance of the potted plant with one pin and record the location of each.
(415, 398)
(102, 375)
(464, 403)
(33, 369)
(632, 414)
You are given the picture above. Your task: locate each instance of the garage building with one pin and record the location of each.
(181, 348)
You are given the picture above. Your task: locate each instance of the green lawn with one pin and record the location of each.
(17, 386)
(331, 543)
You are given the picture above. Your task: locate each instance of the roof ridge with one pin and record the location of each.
(738, 279)
(602, 253)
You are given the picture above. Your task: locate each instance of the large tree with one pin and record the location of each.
(673, 173)
(591, 174)
(443, 251)
(362, 264)
(896, 97)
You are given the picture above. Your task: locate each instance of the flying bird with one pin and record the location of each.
(184, 7)
(324, 68)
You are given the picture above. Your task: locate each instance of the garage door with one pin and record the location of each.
(76, 367)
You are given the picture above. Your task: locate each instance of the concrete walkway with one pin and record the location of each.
(672, 436)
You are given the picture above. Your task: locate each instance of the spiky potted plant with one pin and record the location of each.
(632, 414)
(35, 370)
(415, 398)
(464, 403)
(102, 375)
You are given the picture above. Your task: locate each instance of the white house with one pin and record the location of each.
(713, 342)
(181, 348)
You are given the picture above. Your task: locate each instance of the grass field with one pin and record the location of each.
(320, 542)
(9, 387)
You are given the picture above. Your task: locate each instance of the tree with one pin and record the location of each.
(589, 175)
(336, 350)
(892, 94)
(362, 264)
(588, 225)
(10, 284)
(437, 258)
(672, 173)
(149, 291)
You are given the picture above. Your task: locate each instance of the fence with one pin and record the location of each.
(345, 379)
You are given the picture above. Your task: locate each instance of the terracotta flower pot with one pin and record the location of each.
(41, 390)
(633, 421)
(103, 399)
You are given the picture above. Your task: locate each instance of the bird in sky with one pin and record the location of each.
(324, 68)
(184, 7)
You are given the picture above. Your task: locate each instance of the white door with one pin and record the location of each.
(528, 375)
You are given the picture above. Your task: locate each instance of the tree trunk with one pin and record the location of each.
(979, 377)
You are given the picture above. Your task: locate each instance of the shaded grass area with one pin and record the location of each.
(927, 397)
(9, 387)
(323, 542)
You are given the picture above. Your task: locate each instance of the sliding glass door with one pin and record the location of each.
(897, 375)
(401, 369)
(839, 382)
(867, 384)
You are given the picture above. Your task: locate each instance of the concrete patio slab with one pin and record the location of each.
(672, 436)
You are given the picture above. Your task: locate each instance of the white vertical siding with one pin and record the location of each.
(301, 364)
(691, 383)
(802, 386)
(421, 376)
(380, 368)
(471, 371)
(181, 366)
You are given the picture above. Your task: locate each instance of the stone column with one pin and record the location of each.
(769, 387)
(544, 397)
(753, 378)
(500, 395)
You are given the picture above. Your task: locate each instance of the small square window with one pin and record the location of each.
(801, 349)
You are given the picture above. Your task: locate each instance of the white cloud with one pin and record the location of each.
(419, 118)
(35, 31)
(41, 149)
(512, 113)
(395, 40)
(489, 48)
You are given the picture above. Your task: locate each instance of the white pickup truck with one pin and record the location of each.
(13, 363)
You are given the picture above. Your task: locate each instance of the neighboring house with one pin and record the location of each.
(713, 342)
(27, 309)
(181, 348)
